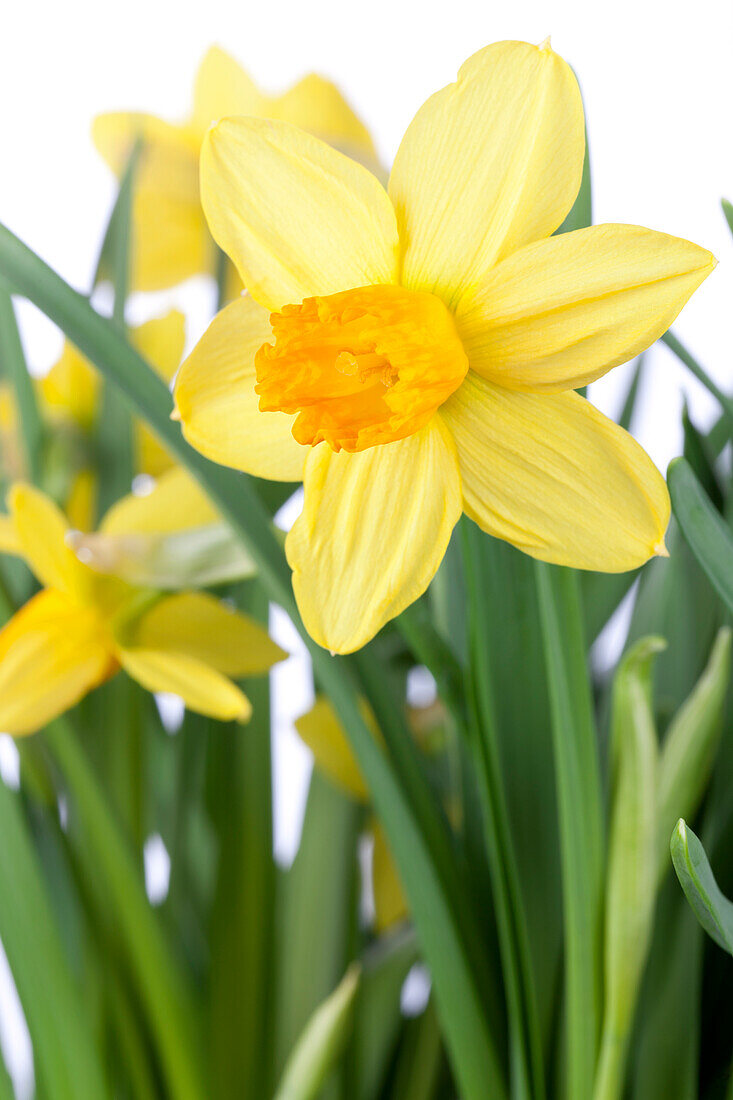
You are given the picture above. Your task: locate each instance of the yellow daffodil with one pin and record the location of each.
(423, 345)
(170, 239)
(83, 627)
(324, 735)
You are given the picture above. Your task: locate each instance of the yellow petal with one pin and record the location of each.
(487, 165)
(9, 541)
(170, 239)
(297, 218)
(202, 688)
(556, 478)
(318, 106)
(563, 311)
(389, 900)
(324, 735)
(197, 625)
(41, 528)
(217, 404)
(51, 654)
(223, 88)
(71, 387)
(175, 503)
(374, 528)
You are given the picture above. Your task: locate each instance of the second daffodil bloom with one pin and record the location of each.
(423, 344)
(83, 627)
(170, 238)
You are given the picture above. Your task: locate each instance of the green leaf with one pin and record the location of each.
(631, 879)
(687, 755)
(378, 1017)
(705, 531)
(420, 1060)
(114, 430)
(632, 394)
(425, 871)
(519, 979)
(579, 809)
(241, 935)
(712, 909)
(702, 462)
(66, 1060)
(317, 916)
(728, 212)
(725, 402)
(321, 1043)
(13, 365)
(161, 987)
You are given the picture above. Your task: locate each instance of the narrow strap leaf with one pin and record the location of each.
(712, 909)
(703, 528)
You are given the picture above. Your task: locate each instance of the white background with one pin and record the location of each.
(657, 80)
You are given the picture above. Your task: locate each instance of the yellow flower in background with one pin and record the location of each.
(70, 390)
(423, 345)
(170, 238)
(324, 735)
(83, 627)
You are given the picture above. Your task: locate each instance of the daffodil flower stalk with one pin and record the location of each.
(411, 354)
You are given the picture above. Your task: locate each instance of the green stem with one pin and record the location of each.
(13, 361)
(725, 402)
(222, 272)
(524, 1029)
(577, 776)
(459, 998)
(114, 429)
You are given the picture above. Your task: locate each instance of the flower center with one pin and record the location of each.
(361, 367)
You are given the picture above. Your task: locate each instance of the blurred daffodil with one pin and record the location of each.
(83, 627)
(423, 345)
(170, 238)
(324, 735)
(169, 538)
(70, 390)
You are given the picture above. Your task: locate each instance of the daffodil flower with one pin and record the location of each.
(83, 627)
(423, 345)
(170, 239)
